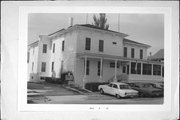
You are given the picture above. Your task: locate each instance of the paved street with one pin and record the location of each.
(56, 94)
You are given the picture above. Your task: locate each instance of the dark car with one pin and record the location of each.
(146, 89)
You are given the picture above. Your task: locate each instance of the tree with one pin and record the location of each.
(101, 21)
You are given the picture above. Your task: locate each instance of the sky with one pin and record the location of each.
(144, 28)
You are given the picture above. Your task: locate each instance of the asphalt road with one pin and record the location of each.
(57, 94)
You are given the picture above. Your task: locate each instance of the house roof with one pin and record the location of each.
(92, 26)
(89, 26)
(158, 55)
(134, 42)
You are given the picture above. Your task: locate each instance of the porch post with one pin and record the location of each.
(100, 78)
(85, 65)
(115, 71)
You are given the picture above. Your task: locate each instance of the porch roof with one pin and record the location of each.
(114, 57)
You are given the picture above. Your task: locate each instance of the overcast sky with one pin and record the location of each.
(144, 28)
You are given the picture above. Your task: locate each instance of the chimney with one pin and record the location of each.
(70, 21)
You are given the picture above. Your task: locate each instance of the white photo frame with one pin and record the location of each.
(170, 46)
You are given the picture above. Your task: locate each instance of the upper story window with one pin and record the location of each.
(125, 51)
(132, 52)
(141, 54)
(88, 44)
(63, 45)
(44, 48)
(101, 45)
(53, 47)
(43, 67)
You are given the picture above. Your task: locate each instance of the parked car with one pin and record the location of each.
(146, 89)
(118, 89)
(158, 85)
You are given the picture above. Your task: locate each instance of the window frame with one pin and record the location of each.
(141, 54)
(101, 45)
(53, 47)
(132, 52)
(43, 66)
(125, 51)
(44, 50)
(88, 43)
(63, 45)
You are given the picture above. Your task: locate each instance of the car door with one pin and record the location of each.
(109, 88)
(114, 89)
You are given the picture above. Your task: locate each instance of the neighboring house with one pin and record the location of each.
(158, 56)
(92, 54)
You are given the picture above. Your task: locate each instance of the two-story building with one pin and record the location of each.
(93, 55)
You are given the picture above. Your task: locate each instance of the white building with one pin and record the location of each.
(93, 55)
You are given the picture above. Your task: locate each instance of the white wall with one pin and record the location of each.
(67, 56)
(44, 57)
(33, 57)
(109, 47)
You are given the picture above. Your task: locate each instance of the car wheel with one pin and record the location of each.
(118, 96)
(101, 91)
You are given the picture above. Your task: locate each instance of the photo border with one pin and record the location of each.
(22, 62)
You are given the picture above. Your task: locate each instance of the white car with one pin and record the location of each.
(118, 89)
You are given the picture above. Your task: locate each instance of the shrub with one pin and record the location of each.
(93, 86)
(53, 80)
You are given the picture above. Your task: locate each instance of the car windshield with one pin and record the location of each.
(124, 87)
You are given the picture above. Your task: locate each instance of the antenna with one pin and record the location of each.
(118, 22)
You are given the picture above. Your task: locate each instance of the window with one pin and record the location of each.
(132, 52)
(88, 44)
(124, 69)
(147, 69)
(141, 54)
(138, 68)
(127, 69)
(87, 67)
(53, 47)
(133, 67)
(43, 67)
(101, 45)
(124, 86)
(156, 69)
(163, 71)
(115, 86)
(63, 45)
(44, 48)
(112, 65)
(99, 68)
(32, 66)
(52, 68)
(125, 51)
(110, 85)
